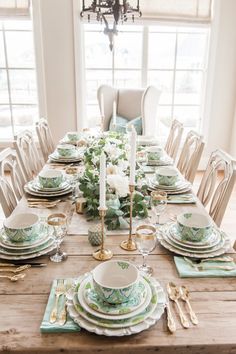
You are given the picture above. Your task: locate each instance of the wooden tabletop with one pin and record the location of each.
(22, 306)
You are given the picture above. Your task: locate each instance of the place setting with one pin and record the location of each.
(114, 299)
(49, 183)
(169, 180)
(66, 153)
(157, 156)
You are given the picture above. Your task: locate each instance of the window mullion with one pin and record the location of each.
(174, 76)
(144, 69)
(8, 80)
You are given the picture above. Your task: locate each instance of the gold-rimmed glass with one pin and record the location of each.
(145, 239)
(72, 177)
(158, 203)
(58, 222)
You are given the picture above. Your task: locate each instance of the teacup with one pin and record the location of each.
(66, 150)
(73, 136)
(193, 226)
(50, 178)
(167, 176)
(154, 153)
(21, 227)
(115, 281)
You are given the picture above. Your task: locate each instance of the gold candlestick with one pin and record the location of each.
(102, 254)
(129, 245)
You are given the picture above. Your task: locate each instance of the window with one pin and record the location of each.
(172, 58)
(18, 88)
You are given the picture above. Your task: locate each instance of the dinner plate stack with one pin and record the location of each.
(214, 244)
(37, 247)
(35, 188)
(165, 160)
(94, 314)
(76, 157)
(181, 186)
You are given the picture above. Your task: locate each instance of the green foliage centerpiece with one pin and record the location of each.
(117, 150)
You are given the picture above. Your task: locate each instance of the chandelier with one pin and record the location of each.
(120, 11)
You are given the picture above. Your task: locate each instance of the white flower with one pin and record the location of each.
(122, 166)
(95, 159)
(112, 151)
(120, 184)
(112, 169)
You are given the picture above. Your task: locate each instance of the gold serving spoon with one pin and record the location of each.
(14, 277)
(185, 296)
(174, 295)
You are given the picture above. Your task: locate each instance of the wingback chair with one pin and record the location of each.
(131, 103)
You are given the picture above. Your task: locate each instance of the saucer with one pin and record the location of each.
(98, 305)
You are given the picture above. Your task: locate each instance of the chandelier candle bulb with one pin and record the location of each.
(132, 157)
(102, 185)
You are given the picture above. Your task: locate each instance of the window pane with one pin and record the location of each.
(24, 117)
(126, 78)
(163, 80)
(2, 52)
(164, 118)
(189, 116)
(93, 113)
(18, 25)
(3, 87)
(20, 50)
(94, 79)
(188, 87)
(161, 50)
(128, 50)
(5, 123)
(191, 51)
(23, 86)
(97, 52)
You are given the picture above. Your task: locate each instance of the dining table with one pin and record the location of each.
(23, 303)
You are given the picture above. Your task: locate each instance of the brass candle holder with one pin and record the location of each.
(129, 245)
(102, 254)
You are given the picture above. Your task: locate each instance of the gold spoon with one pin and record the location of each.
(14, 277)
(174, 295)
(186, 297)
(16, 270)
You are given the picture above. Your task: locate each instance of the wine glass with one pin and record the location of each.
(158, 203)
(145, 240)
(58, 222)
(72, 177)
(142, 158)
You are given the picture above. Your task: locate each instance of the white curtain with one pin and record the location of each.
(14, 8)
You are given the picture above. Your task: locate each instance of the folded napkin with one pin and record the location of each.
(185, 269)
(181, 199)
(46, 326)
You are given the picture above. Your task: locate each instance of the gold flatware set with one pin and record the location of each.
(176, 293)
(201, 265)
(57, 316)
(41, 203)
(17, 270)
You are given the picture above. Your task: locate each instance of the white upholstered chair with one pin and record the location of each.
(190, 155)
(45, 138)
(12, 180)
(131, 103)
(28, 155)
(174, 138)
(217, 184)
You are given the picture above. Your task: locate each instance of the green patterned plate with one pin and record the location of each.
(43, 236)
(91, 302)
(119, 323)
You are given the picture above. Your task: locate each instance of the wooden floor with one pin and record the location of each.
(229, 221)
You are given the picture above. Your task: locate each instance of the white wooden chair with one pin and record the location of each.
(45, 138)
(130, 104)
(174, 138)
(12, 180)
(217, 184)
(190, 155)
(28, 155)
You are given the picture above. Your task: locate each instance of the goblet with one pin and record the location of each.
(158, 203)
(142, 158)
(59, 224)
(145, 240)
(72, 177)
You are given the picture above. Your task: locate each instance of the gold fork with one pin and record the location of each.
(13, 277)
(62, 316)
(60, 290)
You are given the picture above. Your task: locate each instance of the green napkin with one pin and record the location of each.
(46, 326)
(185, 269)
(181, 199)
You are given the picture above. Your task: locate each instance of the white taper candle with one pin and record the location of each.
(132, 156)
(102, 185)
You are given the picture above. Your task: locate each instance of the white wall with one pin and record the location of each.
(58, 52)
(221, 87)
(57, 32)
